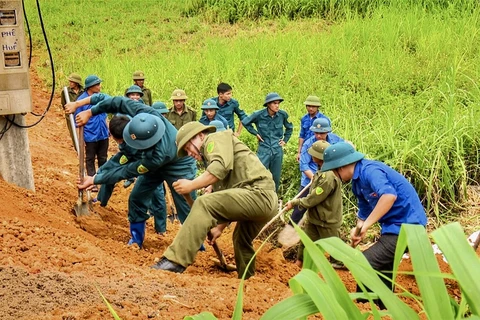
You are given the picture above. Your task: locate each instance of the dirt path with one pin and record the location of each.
(52, 263)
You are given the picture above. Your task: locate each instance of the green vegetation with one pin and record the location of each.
(400, 82)
(328, 296)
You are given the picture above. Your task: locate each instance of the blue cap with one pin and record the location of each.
(143, 131)
(339, 155)
(91, 81)
(272, 96)
(218, 124)
(209, 104)
(321, 125)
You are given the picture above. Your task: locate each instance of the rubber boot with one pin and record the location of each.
(137, 230)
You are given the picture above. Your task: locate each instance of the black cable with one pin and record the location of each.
(8, 125)
(29, 34)
(53, 76)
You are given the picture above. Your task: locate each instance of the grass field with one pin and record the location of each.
(400, 82)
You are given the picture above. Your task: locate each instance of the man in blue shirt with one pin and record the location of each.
(269, 123)
(95, 131)
(321, 130)
(383, 195)
(312, 104)
(228, 106)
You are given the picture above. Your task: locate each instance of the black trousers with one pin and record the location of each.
(381, 256)
(94, 150)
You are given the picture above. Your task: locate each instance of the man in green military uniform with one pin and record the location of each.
(180, 113)
(324, 203)
(75, 89)
(244, 192)
(139, 80)
(269, 131)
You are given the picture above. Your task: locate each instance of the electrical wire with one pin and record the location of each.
(52, 69)
(29, 34)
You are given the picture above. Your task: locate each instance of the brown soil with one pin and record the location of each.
(53, 265)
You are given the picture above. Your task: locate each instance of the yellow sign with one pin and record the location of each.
(210, 146)
(123, 159)
(318, 190)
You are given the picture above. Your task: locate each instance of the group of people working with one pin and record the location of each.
(241, 185)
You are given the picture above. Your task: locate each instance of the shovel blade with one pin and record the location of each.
(81, 208)
(224, 266)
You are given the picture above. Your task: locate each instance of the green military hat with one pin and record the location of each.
(321, 125)
(317, 149)
(218, 124)
(134, 89)
(313, 101)
(143, 131)
(179, 94)
(187, 132)
(272, 96)
(160, 107)
(339, 155)
(75, 77)
(209, 104)
(138, 75)
(92, 80)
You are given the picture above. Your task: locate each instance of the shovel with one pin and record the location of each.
(81, 207)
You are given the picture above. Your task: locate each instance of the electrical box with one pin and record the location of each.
(15, 96)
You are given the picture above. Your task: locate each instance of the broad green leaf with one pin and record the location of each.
(321, 294)
(437, 305)
(463, 261)
(330, 276)
(294, 307)
(364, 273)
(201, 316)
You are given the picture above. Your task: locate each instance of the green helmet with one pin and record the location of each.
(160, 107)
(143, 131)
(92, 80)
(313, 101)
(209, 104)
(134, 89)
(339, 155)
(179, 94)
(75, 77)
(187, 132)
(318, 148)
(138, 75)
(272, 96)
(321, 125)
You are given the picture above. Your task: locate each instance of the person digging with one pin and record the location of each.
(244, 192)
(323, 204)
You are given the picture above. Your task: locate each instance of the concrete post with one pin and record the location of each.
(15, 159)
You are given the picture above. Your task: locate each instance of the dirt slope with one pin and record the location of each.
(51, 263)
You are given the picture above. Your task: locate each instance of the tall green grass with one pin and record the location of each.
(401, 83)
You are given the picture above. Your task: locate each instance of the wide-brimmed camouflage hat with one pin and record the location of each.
(179, 94)
(187, 132)
(312, 101)
(75, 77)
(138, 75)
(318, 148)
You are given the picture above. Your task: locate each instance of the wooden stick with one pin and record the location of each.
(283, 210)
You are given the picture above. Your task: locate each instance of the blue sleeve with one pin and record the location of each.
(122, 105)
(378, 181)
(303, 132)
(240, 113)
(248, 121)
(305, 158)
(363, 209)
